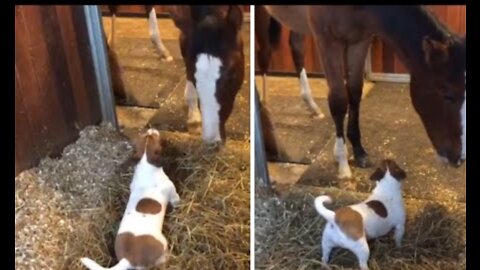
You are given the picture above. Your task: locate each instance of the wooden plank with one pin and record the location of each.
(26, 154)
(28, 85)
(50, 67)
(377, 55)
(76, 75)
(388, 59)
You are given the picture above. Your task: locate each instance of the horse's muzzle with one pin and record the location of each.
(452, 161)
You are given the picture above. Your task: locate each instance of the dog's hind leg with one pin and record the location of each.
(362, 251)
(399, 231)
(327, 246)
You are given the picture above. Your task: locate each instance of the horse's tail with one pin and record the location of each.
(274, 32)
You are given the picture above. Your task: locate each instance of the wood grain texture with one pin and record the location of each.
(55, 90)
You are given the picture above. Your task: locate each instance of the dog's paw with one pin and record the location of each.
(176, 203)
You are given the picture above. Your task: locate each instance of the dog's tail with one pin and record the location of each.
(123, 264)
(328, 214)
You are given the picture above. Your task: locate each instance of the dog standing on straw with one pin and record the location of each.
(140, 243)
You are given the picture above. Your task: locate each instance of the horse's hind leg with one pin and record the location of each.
(194, 120)
(355, 60)
(113, 11)
(155, 34)
(297, 48)
(332, 51)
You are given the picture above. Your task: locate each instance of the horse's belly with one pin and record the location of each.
(294, 17)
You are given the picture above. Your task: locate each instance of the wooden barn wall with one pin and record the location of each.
(382, 56)
(139, 10)
(55, 86)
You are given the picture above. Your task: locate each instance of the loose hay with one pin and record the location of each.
(70, 207)
(288, 234)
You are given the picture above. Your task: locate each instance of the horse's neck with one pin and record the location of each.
(404, 28)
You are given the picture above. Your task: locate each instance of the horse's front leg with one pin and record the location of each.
(332, 52)
(356, 55)
(155, 34)
(297, 48)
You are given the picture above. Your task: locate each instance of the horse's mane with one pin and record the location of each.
(417, 18)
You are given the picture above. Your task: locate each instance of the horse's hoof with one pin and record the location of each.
(363, 161)
(344, 172)
(168, 58)
(214, 147)
(319, 115)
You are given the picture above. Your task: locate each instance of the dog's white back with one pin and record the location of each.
(350, 227)
(389, 193)
(140, 243)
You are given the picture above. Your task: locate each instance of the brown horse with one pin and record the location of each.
(267, 33)
(212, 49)
(152, 27)
(434, 56)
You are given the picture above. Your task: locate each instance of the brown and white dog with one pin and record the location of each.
(140, 243)
(349, 227)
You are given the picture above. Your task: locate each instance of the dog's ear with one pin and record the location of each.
(379, 172)
(377, 175)
(139, 146)
(396, 171)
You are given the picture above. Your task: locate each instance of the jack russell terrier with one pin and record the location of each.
(140, 243)
(349, 227)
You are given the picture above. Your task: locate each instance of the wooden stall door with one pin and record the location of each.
(55, 85)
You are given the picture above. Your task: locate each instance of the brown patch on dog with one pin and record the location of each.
(350, 222)
(395, 170)
(154, 143)
(378, 207)
(148, 206)
(143, 250)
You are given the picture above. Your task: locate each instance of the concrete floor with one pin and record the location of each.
(158, 86)
(390, 128)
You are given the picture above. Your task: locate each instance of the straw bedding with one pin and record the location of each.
(71, 207)
(288, 233)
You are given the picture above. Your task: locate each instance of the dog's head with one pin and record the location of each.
(150, 144)
(388, 167)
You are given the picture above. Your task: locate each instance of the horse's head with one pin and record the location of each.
(440, 97)
(212, 48)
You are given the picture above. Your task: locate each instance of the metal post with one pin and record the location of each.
(261, 169)
(100, 61)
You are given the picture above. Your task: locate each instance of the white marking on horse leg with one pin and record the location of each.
(155, 35)
(463, 115)
(191, 99)
(307, 95)
(111, 40)
(152, 131)
(341, 155)
(206, 74)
